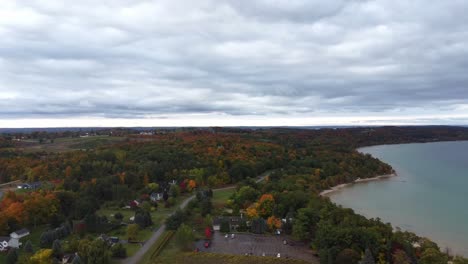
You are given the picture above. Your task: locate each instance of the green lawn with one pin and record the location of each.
(221, 197)
(158, 216)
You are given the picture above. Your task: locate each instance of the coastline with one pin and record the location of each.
(359, 180)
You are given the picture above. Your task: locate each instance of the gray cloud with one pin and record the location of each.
(141, 59)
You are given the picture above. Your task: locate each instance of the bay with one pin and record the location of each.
(429, 196)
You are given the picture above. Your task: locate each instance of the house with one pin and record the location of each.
(233, 221)
(4, 243)
(156, 197)
(16, 236)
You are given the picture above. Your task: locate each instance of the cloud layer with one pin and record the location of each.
(352, 61)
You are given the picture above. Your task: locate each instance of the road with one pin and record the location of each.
(135, 259)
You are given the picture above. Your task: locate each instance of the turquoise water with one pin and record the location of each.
(429, 196)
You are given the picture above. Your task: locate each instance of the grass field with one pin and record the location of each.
(211, 258)
(68, 144)
(221, 197)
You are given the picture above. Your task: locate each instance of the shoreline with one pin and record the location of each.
(358, 180)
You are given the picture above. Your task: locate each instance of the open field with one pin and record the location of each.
(211, 258)
(68, 144)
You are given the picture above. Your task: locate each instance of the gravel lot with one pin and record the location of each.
(257, 245)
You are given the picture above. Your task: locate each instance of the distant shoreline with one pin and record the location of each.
(359, 180)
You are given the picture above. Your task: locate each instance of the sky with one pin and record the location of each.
(233, 62)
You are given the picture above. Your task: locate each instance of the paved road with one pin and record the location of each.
(135, 259)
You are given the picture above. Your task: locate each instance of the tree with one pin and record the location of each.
(175, 220)
(368, 258)
(432, 256)
(12, 256)
(400, 257)
(118, 216)
(57, 248)
(273, 223)
(77, 260)
(132, 231)
(185, 237)
(43, 256)
(174, 191)
(98, 252)
(348, 256)
(118, 251)
(28, 248)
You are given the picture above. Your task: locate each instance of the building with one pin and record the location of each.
(4, 243)
(16, 236)
(233, 221)
(156, 197)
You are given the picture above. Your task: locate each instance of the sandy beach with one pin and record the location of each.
(359, 180)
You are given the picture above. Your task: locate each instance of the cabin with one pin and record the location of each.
(16, 236)
(4, 243)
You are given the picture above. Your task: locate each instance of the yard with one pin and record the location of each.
(158, 216)
(68, 143)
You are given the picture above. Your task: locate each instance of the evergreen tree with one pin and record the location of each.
(28, 248)
(11, 257)
(77, 260)
(57, 248)
(368, 258)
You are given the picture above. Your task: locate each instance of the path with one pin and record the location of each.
(135, 259)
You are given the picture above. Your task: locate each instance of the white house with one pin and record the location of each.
(4, 243)
(16, 236)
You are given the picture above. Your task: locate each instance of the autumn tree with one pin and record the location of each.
(132, 231)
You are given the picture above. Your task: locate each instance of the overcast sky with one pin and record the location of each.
(232, 62)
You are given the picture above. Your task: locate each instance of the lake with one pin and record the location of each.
(427, 197)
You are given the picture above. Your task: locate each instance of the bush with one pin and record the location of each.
(118, 251)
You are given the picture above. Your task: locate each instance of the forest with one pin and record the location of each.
(77, 184)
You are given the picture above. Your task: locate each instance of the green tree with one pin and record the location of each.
(98, 252)
(118, 251)
(57, 248)
(432, 256)
(348, 256)
(185, 237)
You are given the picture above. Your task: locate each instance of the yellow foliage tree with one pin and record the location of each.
(252, 212)
(273, 223)
(43, 256)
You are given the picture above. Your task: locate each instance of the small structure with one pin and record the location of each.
(4, 243)
(233, 221)
(156, 197)
(68, 258)
(217, 224)
(16, 236)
